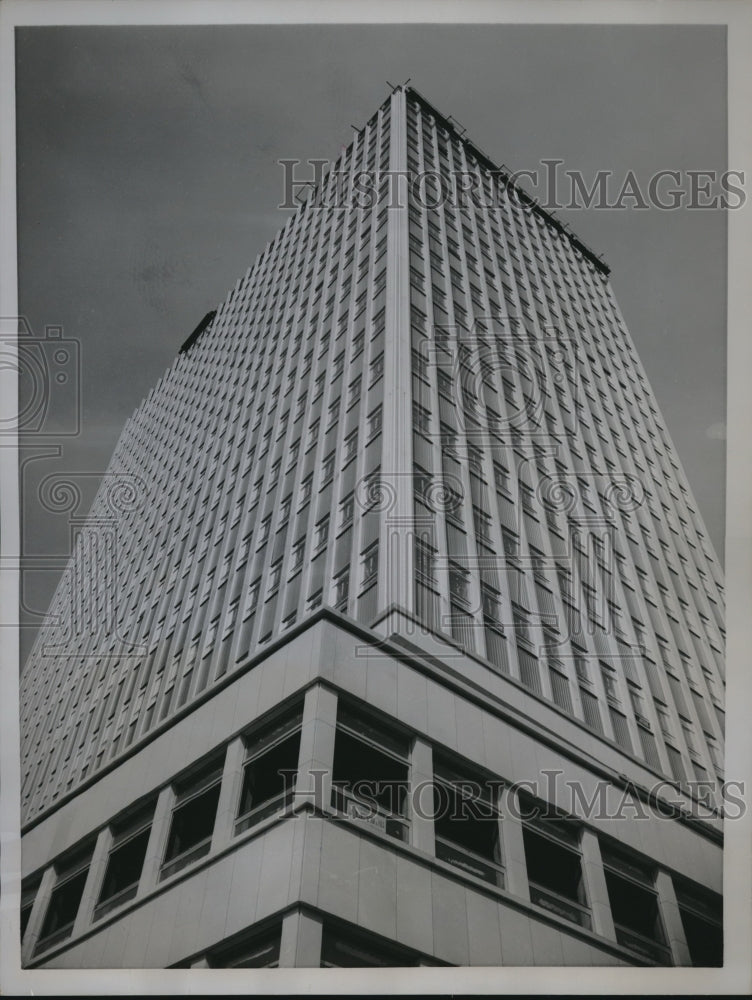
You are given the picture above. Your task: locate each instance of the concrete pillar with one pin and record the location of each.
(38, 912)
(300, 946)
(396, 577)
(229, 793)
(512, 844)
(672, 921)
(422, 833)
(94, 879)
(160, 828)
(595, 885)
(313, 788)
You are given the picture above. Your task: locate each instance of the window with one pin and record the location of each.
(370, 563)
(313, 433)
(609, 683)
(377, 368)
(270, 769)
(275, 573)
(130, 840)
(490, 605)
(621, 729)
(374, 423)
(296, 559)
(444, 383)
(264, 531)
(64, 901)
(252, 599)
(458, 583)
(347, 508)
(466, 822)
(560, 687)
(314, 601)
(284, 514)
(482, 524)
(334, 408)
(28, 895)
(192, 819)
(351, 949)
(327, 471)
(501, 476)
(634, 905)
(322, 533)
(421, 418)
(702, 918)
(554, 865)
(305, 490)
(341, 590)
(350, 447)
(353, 392)
(370, 773)
(257, 950)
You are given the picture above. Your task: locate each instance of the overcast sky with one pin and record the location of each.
(148, 182)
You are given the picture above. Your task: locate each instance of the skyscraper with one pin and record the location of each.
(393, 636)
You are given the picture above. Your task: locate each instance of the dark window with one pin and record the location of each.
(370, 773)
(349, 949)
(466, 822)
(270, 770)
(64, 902)
(28, 894)
(370, 562)
(590, 710)
(192, 820)
(554, 866)
(124, 864)
(560, 689)
(634, 906)
(257, 950)
(702, 918)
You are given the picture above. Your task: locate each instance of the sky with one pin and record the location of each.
(148, 181)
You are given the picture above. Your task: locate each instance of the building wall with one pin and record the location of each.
(558, 534)
(336, 866)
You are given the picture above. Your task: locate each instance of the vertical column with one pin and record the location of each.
(672, 921)
(595, 885)
(313, 789)
(155, 849)
(300, 946)
(396, 540)
(513, 845)
(422, 834)
(93, 882)
(38, 911)
(232, 777)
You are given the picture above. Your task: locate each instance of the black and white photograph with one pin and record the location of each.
(375, 498)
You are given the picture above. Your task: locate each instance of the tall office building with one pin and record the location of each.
(393, 636)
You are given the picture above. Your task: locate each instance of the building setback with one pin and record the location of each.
(394, 635)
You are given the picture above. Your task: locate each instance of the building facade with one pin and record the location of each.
(393, 636)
